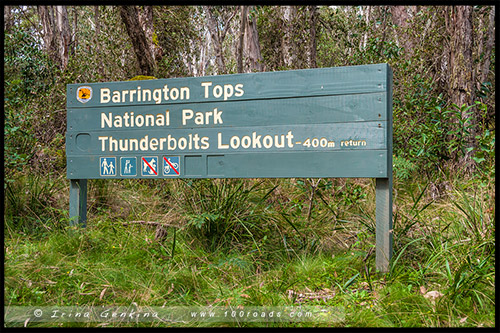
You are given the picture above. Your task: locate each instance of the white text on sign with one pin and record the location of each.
(167, 94)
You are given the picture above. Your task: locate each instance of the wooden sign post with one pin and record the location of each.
(312, 123)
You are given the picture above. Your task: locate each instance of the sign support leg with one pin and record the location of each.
(78, 202)
(383, 215)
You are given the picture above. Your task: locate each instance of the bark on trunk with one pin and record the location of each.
(146, 20)
(74, 38)
(65, 34)
(243, 23)
(313, 18)
(56, 33)
(384, 14)
(216, 39)
(218, 31)
(252, 46)
(367, 10)
(288, 44)
(143, 52)
(461, 80)
(48, 31)
(489, 46)
(7, 17)
(97, 22)
(401, 18)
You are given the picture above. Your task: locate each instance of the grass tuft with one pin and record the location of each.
(272, 242)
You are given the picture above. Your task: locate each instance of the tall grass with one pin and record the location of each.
(35, 203)
(263, 243)
(225, 213)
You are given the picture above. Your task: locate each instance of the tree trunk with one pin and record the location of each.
(243, 23)
(8, 22)
(367, 10)
(74, 38)
(146, 20)
(461, 80)
(48, 33)
(249, 57)
(401, 17)
(143, 52)
(56, 33)
(313, 18)
(218, 31)
(216, 39)
(384, 13)
(252, 46)
(288, 44)
(204, 58)
(65, 34)
(489, 46)
(97, 22)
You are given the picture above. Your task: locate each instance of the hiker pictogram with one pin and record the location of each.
(107, 166)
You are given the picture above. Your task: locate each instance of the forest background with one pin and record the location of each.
(267, 241)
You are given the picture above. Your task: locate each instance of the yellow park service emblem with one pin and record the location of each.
(84, 94)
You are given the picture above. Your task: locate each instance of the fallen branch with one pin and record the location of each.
(125, 224)
(161, 231)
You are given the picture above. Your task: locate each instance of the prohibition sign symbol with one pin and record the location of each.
(166, 160)
(150, 166)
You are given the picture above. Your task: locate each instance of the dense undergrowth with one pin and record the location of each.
(257, 242)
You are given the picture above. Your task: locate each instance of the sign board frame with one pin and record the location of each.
(311, 123)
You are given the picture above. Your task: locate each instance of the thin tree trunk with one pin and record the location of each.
(461, 74)
(218, 33)
(252, 45)
(384, 30)
(204, 50)
(97, 22)
(44, 12)
(143, 52)
(243, 23)
(7, 19)
(288, 45)
(368, 10)
(65, 34)
(56, 33)
(74, 39)
(400, 18)
(216, 39)
(489, 46)
(146, 20)
(313, 18)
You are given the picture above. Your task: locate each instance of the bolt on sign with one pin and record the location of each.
(314, 123)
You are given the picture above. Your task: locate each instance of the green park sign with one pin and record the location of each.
(314, 123)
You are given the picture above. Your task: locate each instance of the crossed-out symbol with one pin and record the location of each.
(170, 165)
(149, 168)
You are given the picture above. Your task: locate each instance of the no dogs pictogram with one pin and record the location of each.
(149, 166)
